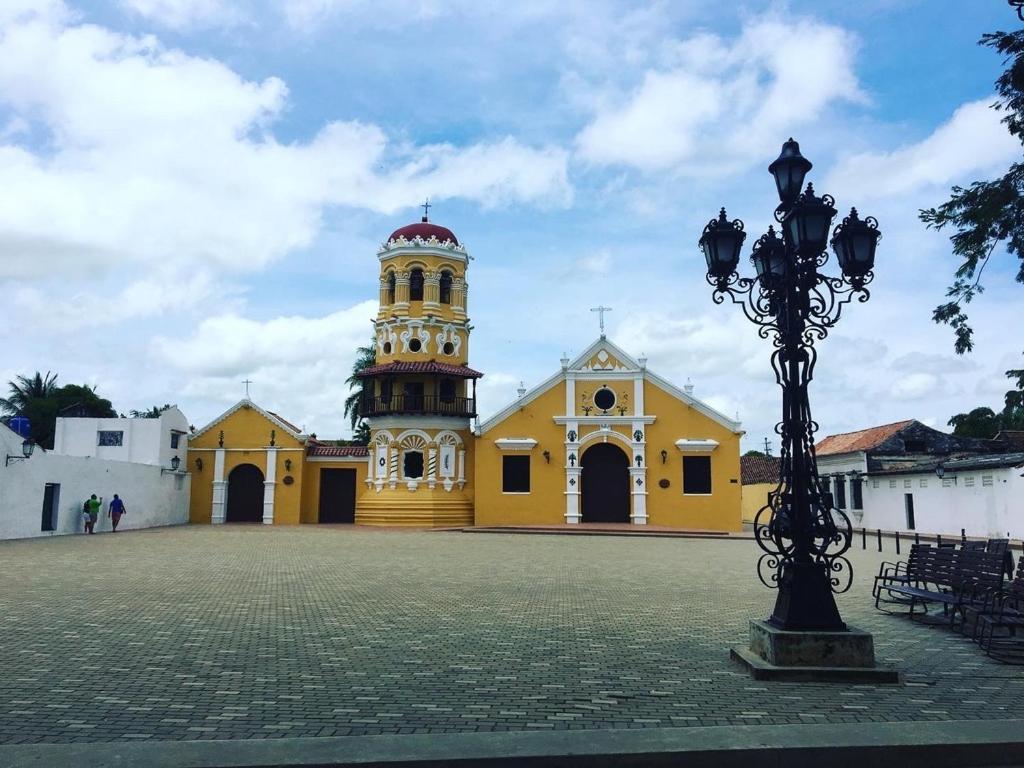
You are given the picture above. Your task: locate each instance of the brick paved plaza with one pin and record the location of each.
(251, 632)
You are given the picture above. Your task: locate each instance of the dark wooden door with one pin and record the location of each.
(337, 496)
(413, 392)
(50, 506)
(605, 484)
(245, 495)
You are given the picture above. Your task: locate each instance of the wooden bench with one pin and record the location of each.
(951, 578)
(1004, 612)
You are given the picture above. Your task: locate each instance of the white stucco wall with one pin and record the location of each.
(963, 501)
(152, 497)
(145, 441)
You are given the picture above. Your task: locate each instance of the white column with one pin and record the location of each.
(432, 468)
(573, 471)
(638, 491)
(220, 489)
(572, 494)
(393, 467)
(570, 395)
(638, 469)
(638, 395)
(268, 487)
(462, 468)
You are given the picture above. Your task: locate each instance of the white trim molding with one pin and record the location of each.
(696, 446)
(515, 443)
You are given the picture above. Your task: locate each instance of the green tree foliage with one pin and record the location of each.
(24, 389)
(987, 216)
(985, 423)
(152, 413)
(40, 400)
(365, 357)
(754, 453)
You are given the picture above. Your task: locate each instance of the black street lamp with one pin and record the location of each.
(27, 447)
(803, 536)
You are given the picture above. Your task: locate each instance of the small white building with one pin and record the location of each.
(982, 495)
(140, 441)
(885, 477)
(43, 495)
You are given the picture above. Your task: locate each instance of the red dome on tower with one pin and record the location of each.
(425, 230)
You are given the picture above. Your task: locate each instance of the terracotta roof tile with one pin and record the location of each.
(759, 469)
(338, 450)
(862, 440)
(426, 367)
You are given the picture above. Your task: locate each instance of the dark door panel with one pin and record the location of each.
(605, 484)
(337, 496)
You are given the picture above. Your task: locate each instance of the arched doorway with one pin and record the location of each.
(245, 495)
(605, 484)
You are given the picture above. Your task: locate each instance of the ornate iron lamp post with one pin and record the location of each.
(803, 536)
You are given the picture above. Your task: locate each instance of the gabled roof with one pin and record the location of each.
(862, 440)
(617, 352)
(396, 367)
(245, 402)
(759, 469)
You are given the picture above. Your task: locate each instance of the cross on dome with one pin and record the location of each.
(426, 208)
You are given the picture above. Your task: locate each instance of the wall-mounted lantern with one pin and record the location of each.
(27, 447)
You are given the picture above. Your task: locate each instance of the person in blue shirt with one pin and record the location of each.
(115, 511)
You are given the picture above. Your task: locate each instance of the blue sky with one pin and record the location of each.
(196, 188)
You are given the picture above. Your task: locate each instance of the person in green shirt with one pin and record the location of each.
(92, 507)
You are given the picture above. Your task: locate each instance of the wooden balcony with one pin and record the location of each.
(425, 405)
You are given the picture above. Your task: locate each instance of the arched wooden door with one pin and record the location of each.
(605, 484)
(245, 495)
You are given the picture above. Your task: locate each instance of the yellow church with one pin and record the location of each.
(603, 440)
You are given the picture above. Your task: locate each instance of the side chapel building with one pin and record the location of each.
(603, 439)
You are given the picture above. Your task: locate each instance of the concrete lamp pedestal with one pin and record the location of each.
(776, 654)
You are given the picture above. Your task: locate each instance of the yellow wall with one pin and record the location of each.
(755, 497)
(669, 506)
(545, 504)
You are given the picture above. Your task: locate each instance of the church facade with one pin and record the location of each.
(602, 440)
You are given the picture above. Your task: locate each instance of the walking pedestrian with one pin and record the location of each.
(92, 506)
(115, 511)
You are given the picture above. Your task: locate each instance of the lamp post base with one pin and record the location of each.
(806, 602)
(844, 656)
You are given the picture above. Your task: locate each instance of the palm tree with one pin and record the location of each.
(365, 357)
(23, 390)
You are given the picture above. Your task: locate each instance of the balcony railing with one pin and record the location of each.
(418, 404)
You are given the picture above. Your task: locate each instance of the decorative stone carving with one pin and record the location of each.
(446, 335)
(417, 331)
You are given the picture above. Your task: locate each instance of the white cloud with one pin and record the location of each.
(155, 158)
(916, 386)
(973, 140)
(178, 14)
(721, 105)
(298, 364)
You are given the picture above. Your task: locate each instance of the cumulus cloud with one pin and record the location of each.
(973, 140)
(188, 169)
(178, 14)
(298, 364)
(735, 97)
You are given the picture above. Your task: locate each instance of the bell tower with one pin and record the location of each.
(420, 396)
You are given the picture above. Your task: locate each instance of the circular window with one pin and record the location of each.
(604, 399)
(448, 348)
(387, 347)
(415, 345)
